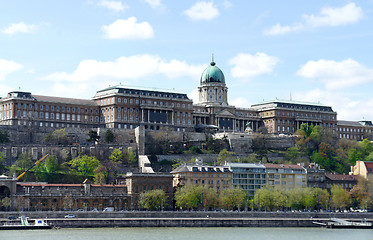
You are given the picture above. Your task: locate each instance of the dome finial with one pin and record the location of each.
(212, 60)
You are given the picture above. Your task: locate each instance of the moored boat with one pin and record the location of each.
(340, 223)
(25, 225)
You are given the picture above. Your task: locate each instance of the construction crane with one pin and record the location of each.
(36, 163)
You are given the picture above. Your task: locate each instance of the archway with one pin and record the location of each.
(5, 198)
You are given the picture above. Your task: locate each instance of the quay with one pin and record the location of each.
(187, 219)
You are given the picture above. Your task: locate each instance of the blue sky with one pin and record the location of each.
(314, 51)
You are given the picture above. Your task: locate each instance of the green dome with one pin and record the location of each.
(212, 74)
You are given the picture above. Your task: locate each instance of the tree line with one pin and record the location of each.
(272, 199)
(195, 197)
(203, 197)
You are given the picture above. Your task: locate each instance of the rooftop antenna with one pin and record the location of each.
(212, 58)
(291, 99)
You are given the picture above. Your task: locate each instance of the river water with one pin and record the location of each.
(189, 234)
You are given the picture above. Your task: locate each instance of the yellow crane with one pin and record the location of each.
(36, 163)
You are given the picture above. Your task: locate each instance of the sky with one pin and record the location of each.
(312, 51)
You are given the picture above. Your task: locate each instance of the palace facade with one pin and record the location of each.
(155, 109)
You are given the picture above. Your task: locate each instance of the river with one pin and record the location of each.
(189, 234)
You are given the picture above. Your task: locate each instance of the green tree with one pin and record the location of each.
(109, 136)
(340, 198)
(93, 136)
(131, 156)
(154, 200)
(321, 197)
(366, 147)
(196, 197)
(269, 199)
(232, 198)
(224, 156)
(58, 136)
(216, 145)
(85, 165)
(117, 156)
(292, 154)
(21, 165)
(48, 170)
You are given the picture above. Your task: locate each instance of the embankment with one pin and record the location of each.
(186, 219)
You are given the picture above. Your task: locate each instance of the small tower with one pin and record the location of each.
(212, 89)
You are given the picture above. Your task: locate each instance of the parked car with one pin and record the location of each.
(80, 210)
(70, 216)
(108, 209)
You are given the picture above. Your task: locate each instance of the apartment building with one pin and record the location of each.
(217, 177)
(248, 176)
(286, 175)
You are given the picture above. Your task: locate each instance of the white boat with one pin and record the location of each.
(340, 223)
(25, 225)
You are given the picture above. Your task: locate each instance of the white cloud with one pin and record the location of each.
(347, 108)
(246, 66)
(347, 14)
(128, 29)
(328, 17)
(4, 90)
(278, 29)
(337, 75)
(202, 11)
(127, 68)
(116, 6)
(154, 3)
(21, 27)
(194, 95)
(240, 102)
(227, 4)
(8, 67)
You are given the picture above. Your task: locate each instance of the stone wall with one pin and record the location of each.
(35, 135)
(101, 152)
(279, 142)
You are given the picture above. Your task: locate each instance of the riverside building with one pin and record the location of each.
(248, 176)
(286, 175)
(217, 177)
(128, 107)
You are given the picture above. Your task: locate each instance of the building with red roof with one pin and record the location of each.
(362, 168)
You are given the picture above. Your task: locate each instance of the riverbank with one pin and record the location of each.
(186, 219)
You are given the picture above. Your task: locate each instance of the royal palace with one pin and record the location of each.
(128, 107)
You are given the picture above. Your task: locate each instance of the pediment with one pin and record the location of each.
(225, 113)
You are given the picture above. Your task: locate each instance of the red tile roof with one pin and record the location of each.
(369, 166)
